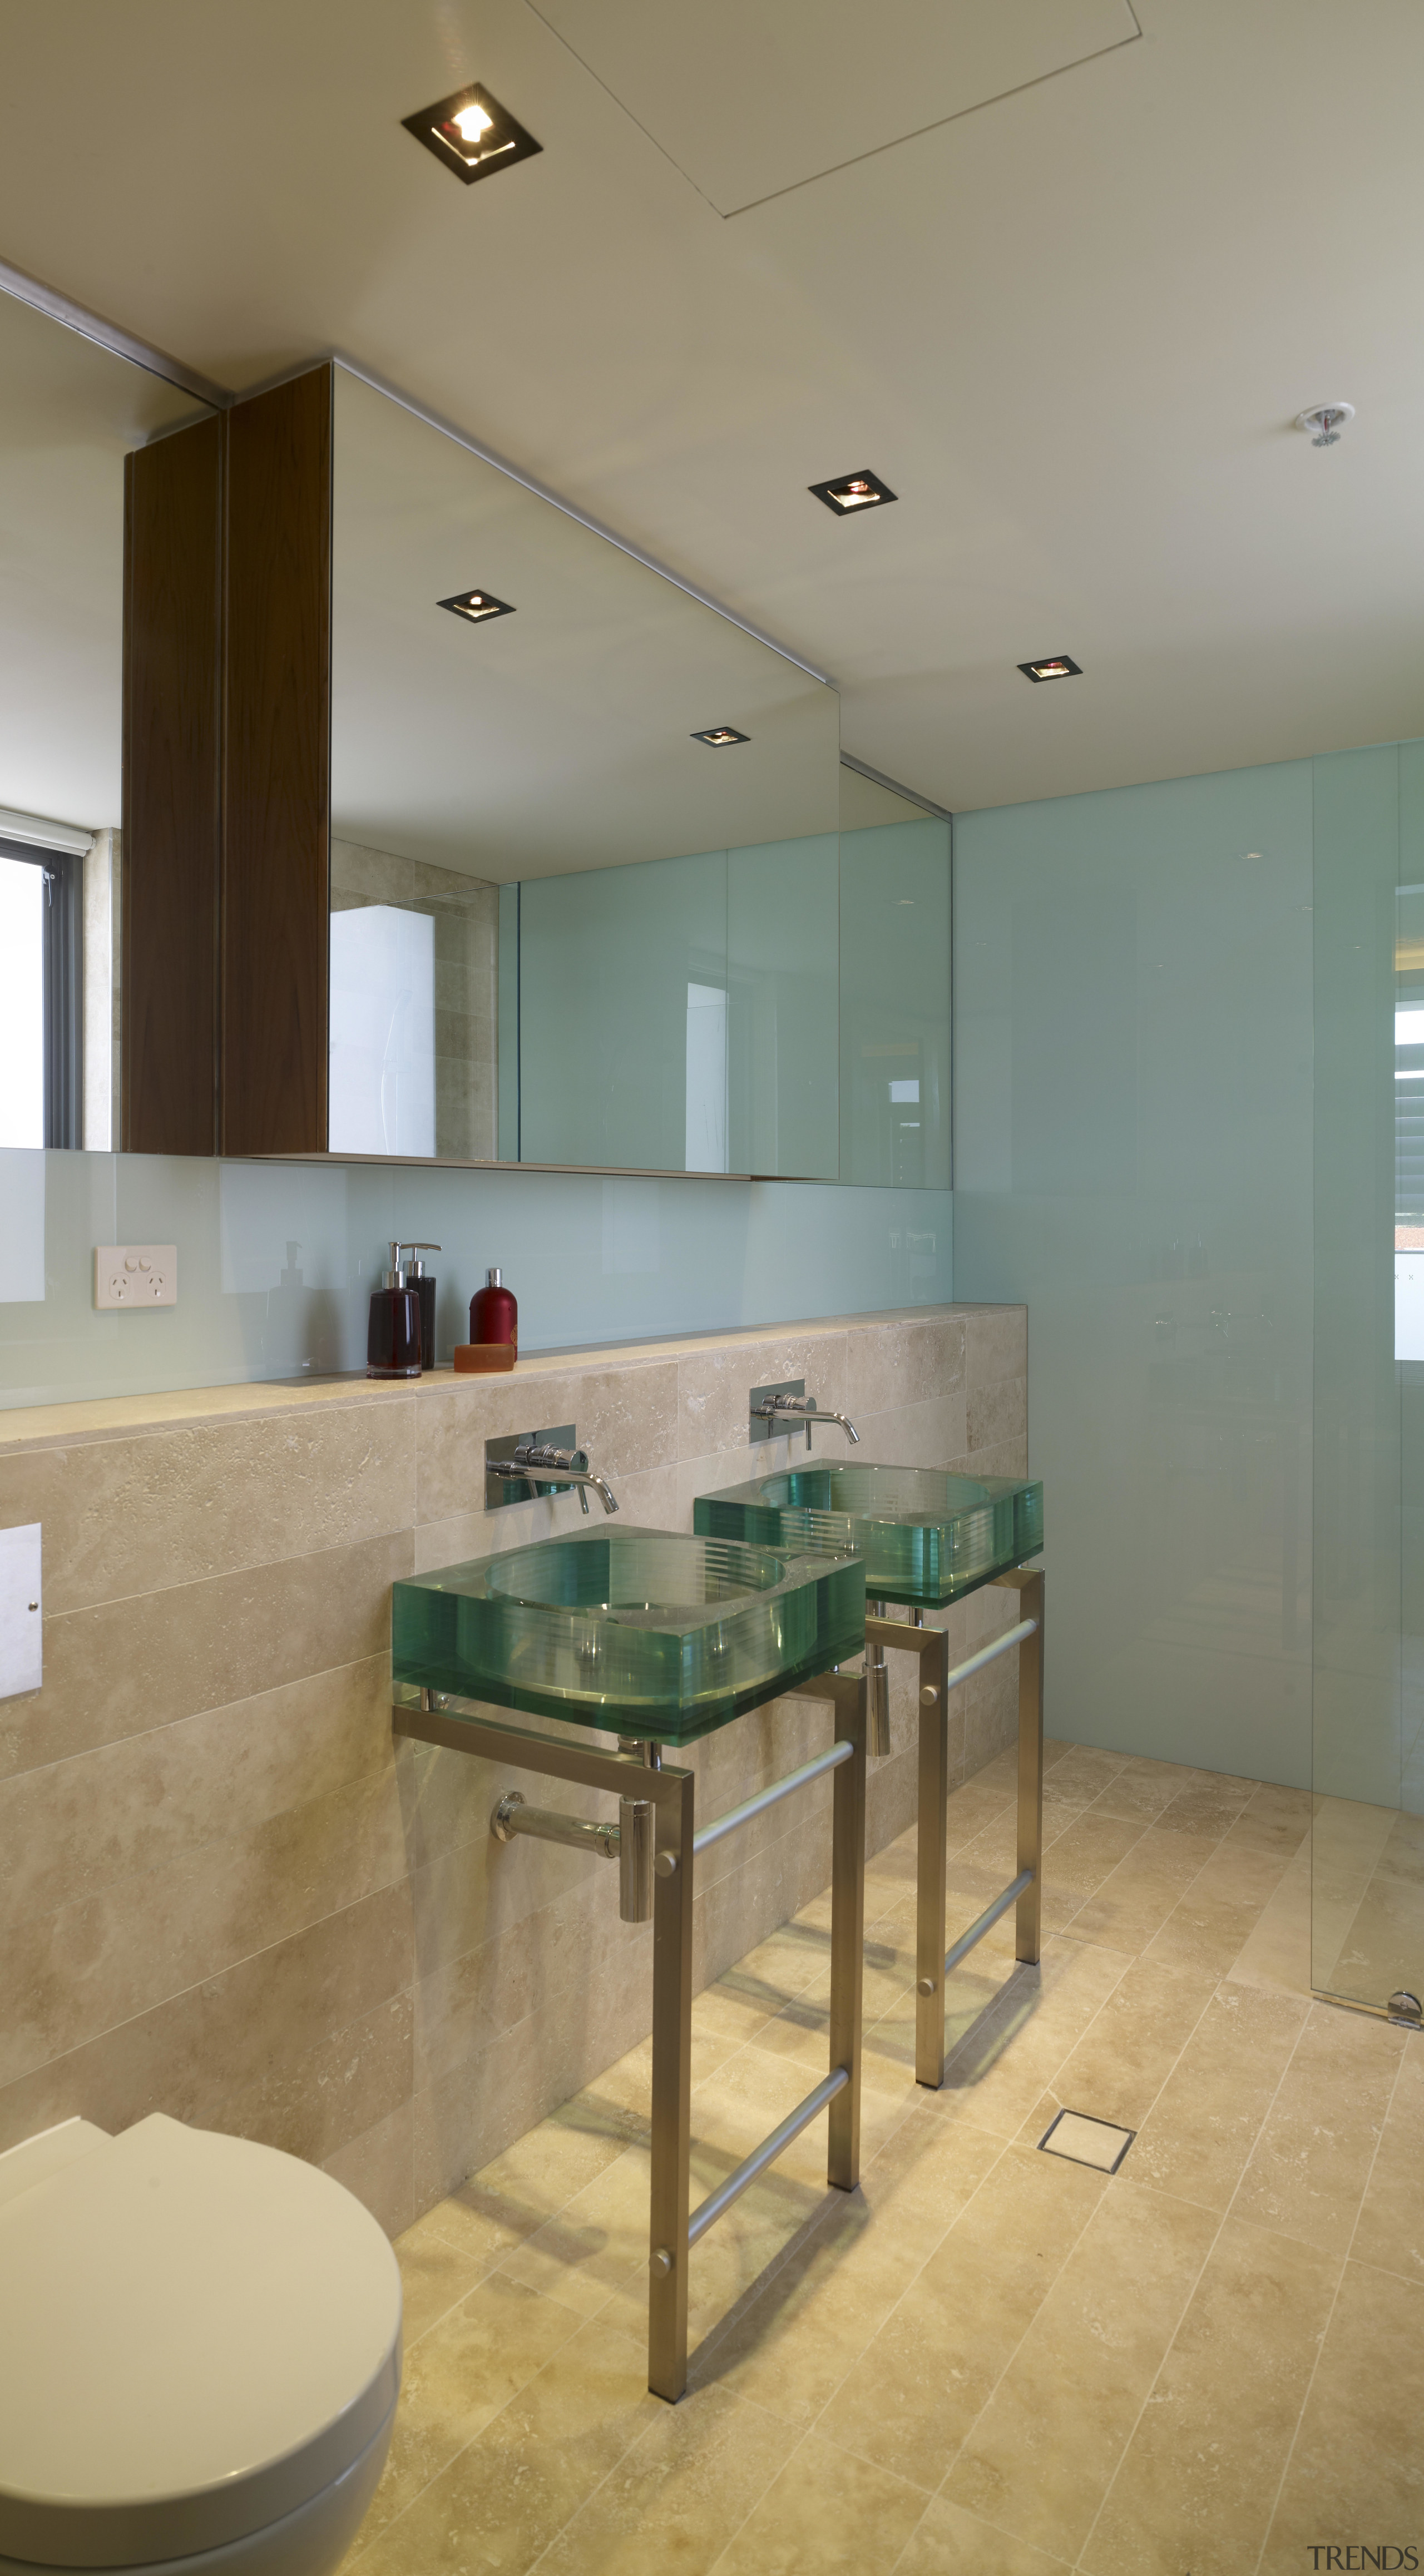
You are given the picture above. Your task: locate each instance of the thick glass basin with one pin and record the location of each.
(639, 1632)
(924, 1537)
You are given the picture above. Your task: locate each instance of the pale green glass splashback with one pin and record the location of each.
(1133, 1158)
(276, 1262)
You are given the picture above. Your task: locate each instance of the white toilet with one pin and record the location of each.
(199, 2356)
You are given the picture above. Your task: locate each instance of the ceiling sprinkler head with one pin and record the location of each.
(1326, 421)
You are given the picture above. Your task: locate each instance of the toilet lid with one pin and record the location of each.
(197, 2335)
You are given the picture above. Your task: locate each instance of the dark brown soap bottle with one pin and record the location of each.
(494, 1314)
(393, 1334)
(423, 1282)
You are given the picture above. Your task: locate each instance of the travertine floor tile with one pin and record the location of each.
(1087, 1851)
(477, 2221)
(935, 2362)
(1209, 1926)
(949, 2542)
(1357, 2466)
(1123, 2060)
(1144, 1788)
(1196, 2485)
(1276, 1952)
(1197, 2136)
(1083, 1770)
(679, 2495)
(435, 2277)
(597, 2239)
(1309, 2168)
(456, 2377)
(827, 2510)
(1014, 2052)
(1134, 1900)
(1040, 2457)
(793, 2341)
(1390, 2232)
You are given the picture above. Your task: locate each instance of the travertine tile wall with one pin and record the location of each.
(226, 1895)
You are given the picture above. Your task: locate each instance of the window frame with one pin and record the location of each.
(63, 972)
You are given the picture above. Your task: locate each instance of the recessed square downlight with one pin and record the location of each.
(720, 735)
(471, 133)
(848, 492)
(476, 606)
(1054, 666)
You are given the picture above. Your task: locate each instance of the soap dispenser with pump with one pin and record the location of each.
(393, 1334)
(421, 1280)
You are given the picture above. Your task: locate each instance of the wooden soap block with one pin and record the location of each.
(483, 1359)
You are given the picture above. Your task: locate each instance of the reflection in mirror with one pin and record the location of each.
(70, 413)
(894, 1006)
(655, 994)
(569, 925)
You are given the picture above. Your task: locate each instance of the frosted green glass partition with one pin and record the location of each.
(1133, 1146)
(1367, 1861)
(1190, 1134)
(778, 1008)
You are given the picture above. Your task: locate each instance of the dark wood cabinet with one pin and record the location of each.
(172, 740)
(277, 771)
(227, 758)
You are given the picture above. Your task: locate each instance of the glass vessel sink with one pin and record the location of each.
(638, 1632)
(924, 1537)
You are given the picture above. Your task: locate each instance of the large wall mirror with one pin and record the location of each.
(591, 902)
(77, 423)
(355, 798)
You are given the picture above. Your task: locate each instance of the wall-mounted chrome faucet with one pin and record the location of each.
(776, 1410)
(570, 1466)
(525, 1464)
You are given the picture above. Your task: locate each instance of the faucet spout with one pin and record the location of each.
(568, 1467)
(803, 1408)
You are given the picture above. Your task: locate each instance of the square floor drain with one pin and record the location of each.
(1085, 2141)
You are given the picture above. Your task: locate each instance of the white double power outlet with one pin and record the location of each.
(136, 1274)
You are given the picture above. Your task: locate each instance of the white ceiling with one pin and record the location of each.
(1070, 327)
(819, 96)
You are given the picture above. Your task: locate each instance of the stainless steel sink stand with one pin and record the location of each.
(933, 1963)
(466, 1726)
